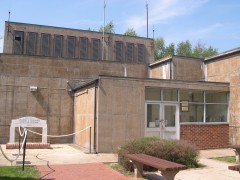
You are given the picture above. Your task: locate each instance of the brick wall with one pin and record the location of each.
(206, 136)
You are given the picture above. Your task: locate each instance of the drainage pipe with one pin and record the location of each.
(95, 118)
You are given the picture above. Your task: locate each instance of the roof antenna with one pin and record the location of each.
(103, 38)
(9, 14)
(153, 32)
(147, 16)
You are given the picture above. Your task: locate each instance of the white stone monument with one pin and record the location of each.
(28, 122)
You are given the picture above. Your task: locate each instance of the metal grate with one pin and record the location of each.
(32, 43)
(95, 49)
(141, 53)
(58, 43)
(71, 42)
(130, 51)
(83, 47)
(45, 44)
(119, 51)
(18, 42)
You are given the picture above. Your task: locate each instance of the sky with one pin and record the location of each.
(212, 22)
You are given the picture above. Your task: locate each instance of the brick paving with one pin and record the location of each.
(89, 171)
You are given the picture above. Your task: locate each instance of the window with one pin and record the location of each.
(153, 115)
(153, 94)
(32, 43)
(45, 44)
(141, 53)
(58, 44)
(216, 107)
(18, 42)
(95, 49)
(129, 52)
(83, 47)
(119, 51)
(193, 108)
(170, 95)
(71, 45)
(191, 96)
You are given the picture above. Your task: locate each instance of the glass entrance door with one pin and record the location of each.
(170, 127)
(162, 120)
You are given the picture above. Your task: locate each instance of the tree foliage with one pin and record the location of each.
(184, 48)
(109, 28)
(161, 50)
(130, 32)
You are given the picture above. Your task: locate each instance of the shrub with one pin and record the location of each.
(171, 150)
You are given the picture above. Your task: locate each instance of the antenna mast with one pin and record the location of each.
(9, 13)
(153, 32)
(103, 38)
(147, 15)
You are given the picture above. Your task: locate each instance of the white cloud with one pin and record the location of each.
(162, 10)
(207, 30)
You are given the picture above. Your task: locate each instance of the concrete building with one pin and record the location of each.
(118, 90)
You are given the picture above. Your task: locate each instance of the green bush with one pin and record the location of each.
(171, 150)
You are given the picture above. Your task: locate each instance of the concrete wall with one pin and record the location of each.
(178, 68)
(227, 70)
(110, 39)
(161, 71)
(120, 112)
(52, 101)
(121, 108)
(188, 69)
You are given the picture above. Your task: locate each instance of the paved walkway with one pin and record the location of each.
(89, 171)
(68, 162)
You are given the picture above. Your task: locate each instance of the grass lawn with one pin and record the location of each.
(230, 159)
(16, 173)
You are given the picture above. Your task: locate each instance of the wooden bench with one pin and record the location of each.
(168, 169)
(237, 151)
(235, 168)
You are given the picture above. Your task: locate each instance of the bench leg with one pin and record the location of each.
(138, 169)
(169, 175)
(237, 152)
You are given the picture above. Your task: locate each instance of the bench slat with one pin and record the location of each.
(234, 168)
(160, 164)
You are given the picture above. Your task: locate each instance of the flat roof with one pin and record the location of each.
(219, 85)
(223, 54)
(168, 58)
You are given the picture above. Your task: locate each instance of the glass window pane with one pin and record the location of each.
(216, 112)
(169, 116)
(71, 45)
(45, 45)
(153, 94)
(216, 97)
(191, 96)
(194, 113)
(32, 43)
(18, 42)
(95, 49)
(153, 115)
(170, 95)
(58, 44)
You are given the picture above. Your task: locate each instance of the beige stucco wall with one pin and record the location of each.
(178, 68)
(161, 71)
(52, 101)
(188, 69)
(84, 116)
(227, 70)
(121, 111)
(110, 39)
